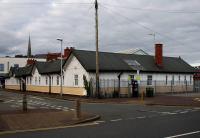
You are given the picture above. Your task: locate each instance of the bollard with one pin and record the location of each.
(24, 103)
(142, 96)
(78, 109)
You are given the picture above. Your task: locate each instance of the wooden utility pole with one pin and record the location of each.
(97, 49)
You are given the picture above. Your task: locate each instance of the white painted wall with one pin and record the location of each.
(74, 68)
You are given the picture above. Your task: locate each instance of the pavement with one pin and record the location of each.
(40, 114)
(117, 119)
(37, 119)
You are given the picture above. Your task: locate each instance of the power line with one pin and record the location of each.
(154, 10)
(143, 26)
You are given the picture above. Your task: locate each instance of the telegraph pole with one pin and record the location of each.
(97, 49)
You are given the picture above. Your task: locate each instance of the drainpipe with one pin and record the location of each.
(20, 84)
(119, 77)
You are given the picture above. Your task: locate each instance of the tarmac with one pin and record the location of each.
(171, 99)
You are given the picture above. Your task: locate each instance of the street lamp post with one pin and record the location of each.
(61, 62)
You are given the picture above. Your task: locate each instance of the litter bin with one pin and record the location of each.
(149, 92)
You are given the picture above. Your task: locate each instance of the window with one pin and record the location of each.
(1, 67)
(27, 80)
(76, 80)
(57, 80)
(172, 79)
(166, 79)
(149, 80)
(35, 80)
(63, 80)
(39, 80)
(30, 80)
(46, 80)
(179, 79)
(52, 80)
(190, 79)
(185, 80)
(8, 66)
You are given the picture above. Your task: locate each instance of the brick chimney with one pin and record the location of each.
(30, 61)
(159, 55)
(67, 51)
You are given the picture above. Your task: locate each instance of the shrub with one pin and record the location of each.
(87, 86)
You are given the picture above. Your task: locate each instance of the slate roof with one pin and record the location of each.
(21, 71)
(116, 62)
(51, 67)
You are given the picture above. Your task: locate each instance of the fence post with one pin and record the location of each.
(171, 87)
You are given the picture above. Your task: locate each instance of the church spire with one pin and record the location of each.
(29, 48)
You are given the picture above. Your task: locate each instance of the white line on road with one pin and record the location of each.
(185, 134)
(184, 112)
(141, 117)
(100, 121)
(36, 98)
(114, 120)
(8, 101)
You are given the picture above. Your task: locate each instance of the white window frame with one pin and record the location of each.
(2, 67)
(149, 81)
(76, 80)
(58, 80)
(46, 80)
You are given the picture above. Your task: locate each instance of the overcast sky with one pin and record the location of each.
(123, 24)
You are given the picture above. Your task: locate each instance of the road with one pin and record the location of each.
(118, 120)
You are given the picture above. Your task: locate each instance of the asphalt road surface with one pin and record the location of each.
(118, 120)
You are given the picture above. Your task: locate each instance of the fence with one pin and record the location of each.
(113, 88)
(197, 85)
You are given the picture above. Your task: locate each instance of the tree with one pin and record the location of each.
(87, 86)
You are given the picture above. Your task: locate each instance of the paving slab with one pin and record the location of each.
(40, 118)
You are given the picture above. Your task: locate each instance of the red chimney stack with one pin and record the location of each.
(159, 55)
(67, 51)
(30, 61)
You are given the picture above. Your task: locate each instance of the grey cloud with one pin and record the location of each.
(75, 24)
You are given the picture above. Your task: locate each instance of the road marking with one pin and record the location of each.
(8, 101)
(183, 112)
(141, 117)
(196, 108)
(34, 97)
(185, 134)
(114, 120)
(100, 121)
(177, 111)
(173, 113)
